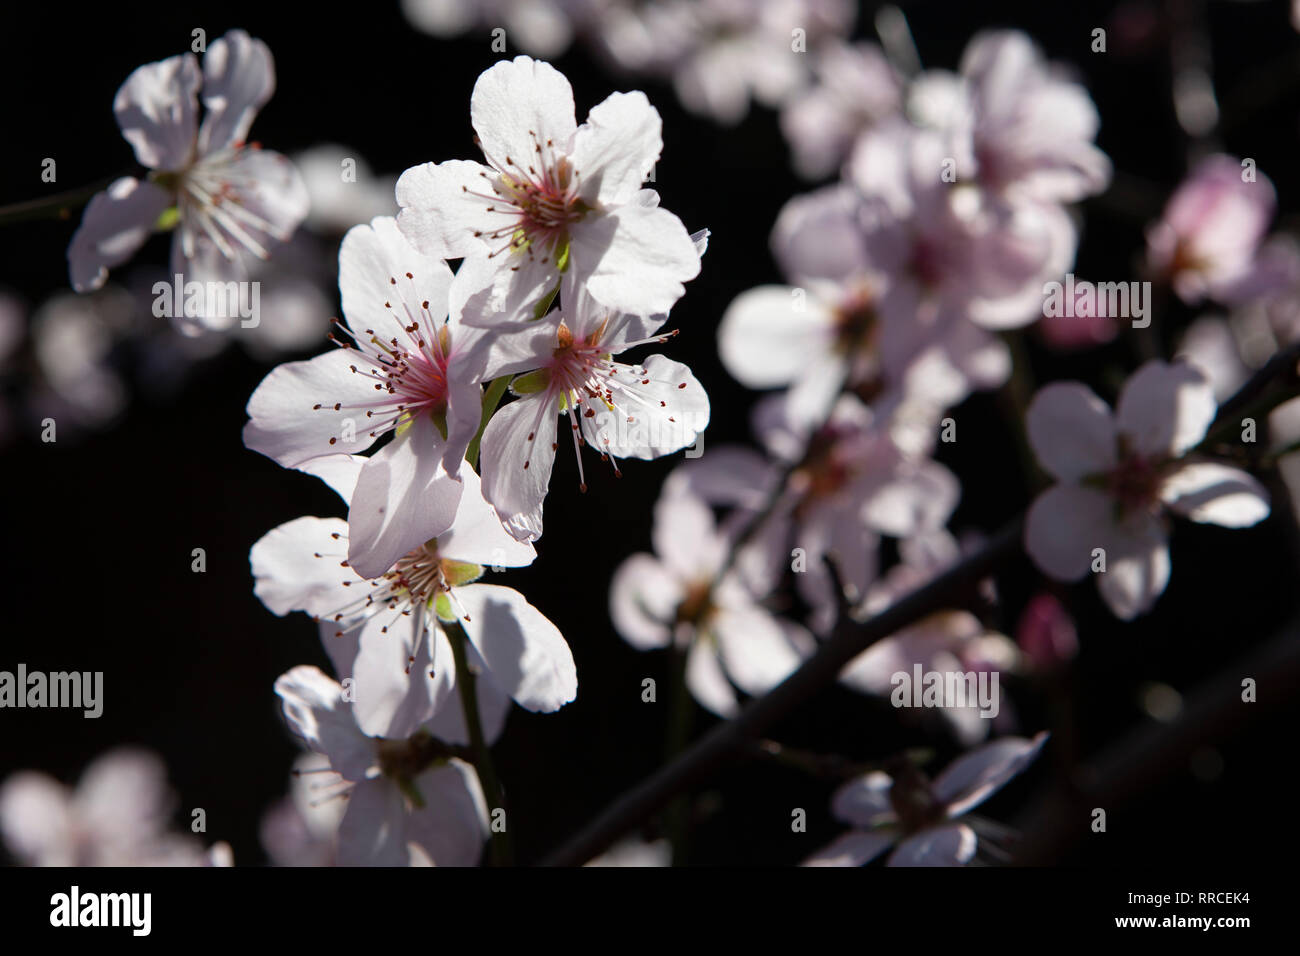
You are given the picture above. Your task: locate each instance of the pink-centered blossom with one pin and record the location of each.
(683, 595)
(641, 411)
(554, 199)
(1207, 240)
(928, 823)
(403, 367)
(387, 632)
(1121, 473)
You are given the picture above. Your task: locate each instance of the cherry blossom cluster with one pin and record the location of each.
(564, 262)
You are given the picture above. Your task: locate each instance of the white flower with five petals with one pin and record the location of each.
(1120, 473)
(386, 633)
(555, 198)
(623, 411)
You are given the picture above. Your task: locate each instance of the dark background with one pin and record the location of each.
(98, 530)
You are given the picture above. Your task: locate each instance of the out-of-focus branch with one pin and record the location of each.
(1148, 755)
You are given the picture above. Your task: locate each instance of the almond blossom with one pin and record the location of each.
(555, 199)
(836, 327)
(231, 198)
(721, 54)
(944, 641)
(623, 411)
(928, 823)
(1017, 125)
(387, 633)
(846, 483)
(119, 814)
(1205, 243)
(1119, 476)
(948, 246)
(405, 804)
(403, 367)
(682, 595)
(854, 87)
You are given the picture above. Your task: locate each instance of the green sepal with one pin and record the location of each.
(544, 303)
(168, 219)
(531, 382)
(442, 608)
(456, 573)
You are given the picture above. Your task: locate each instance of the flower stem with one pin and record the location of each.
(491, 399)
(502, 852)
(58, 206)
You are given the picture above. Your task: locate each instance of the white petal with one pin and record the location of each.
(916, 498)
(123, 797)
(643, 601)
(36, 820)
(518, 105)
(1071, 431)
(516, 457)
(864, 800)
(951, 845)
(373, 829)
(340, 472)
(298, 567)
(659, 409)
(477, 535)
(156, 109)
(494, 704)
(453, 823)
(439, 216)
(402, 675)
(284, 422)
(115, 224)
(238, 79)
(769, 337)
(1165, 409)
(1065, 523)
(685, 536)
(758, 650)
(370, 258)
(706, 681)
(617, 147)
(314, 707)
(403, 498)
(635, 258)
(272, 189)
(855, 848)
(1216, 494)
(975, 776)
(525, 652)
(1137, 567)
